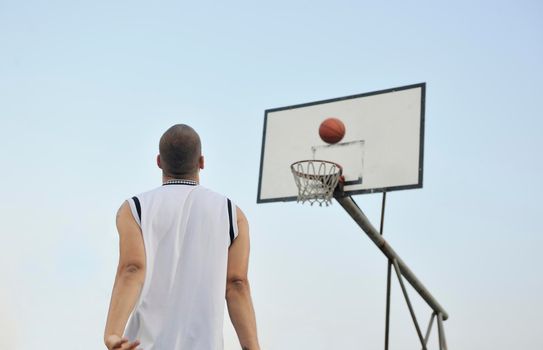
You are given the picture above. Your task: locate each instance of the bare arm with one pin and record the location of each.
(128, 280)
(238, 293)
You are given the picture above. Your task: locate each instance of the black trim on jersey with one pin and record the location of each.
(230, 219)
(138, 206)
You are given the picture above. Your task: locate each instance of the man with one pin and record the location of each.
(183, 248)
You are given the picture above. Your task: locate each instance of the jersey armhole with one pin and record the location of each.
(135, 207)
(233, 220)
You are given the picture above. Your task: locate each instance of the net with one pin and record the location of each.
(316, 180)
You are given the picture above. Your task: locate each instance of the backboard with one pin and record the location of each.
(382, 149)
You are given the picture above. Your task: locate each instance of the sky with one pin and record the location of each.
(87, 89)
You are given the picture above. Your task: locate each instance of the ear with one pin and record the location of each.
(158, 161)
(201, 162)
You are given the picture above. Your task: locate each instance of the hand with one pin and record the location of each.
(114, 342)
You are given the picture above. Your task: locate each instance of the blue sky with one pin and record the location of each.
(87, 88)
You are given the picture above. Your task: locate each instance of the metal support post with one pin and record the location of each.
(441, 333)
(429, 328)
(383, 212)
(411, 311)
(389, 270)
(387, 322)
(360, 218)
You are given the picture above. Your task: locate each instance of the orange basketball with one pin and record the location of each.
(332, 130)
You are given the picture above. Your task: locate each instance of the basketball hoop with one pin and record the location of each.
(316, 180)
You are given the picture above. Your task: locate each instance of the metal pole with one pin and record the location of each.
(411, 311)
(429, 328)
(383, 213)
(441, 333)
(387, 324)
(389, 269)
(360, 218)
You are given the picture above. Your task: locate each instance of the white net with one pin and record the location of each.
(316, 180)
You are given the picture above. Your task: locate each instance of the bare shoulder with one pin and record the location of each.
(124, 218)
(238, 252)
(241, 218)
(123, 210)
(132, 248)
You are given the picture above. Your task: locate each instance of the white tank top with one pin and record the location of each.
(187, 230)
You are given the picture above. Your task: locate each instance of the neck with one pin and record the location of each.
(195, 177)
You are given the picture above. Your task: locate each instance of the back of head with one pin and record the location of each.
(180, 151)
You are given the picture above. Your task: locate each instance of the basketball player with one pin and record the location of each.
(183, 248)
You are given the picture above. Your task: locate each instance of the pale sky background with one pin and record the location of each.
(87, 88)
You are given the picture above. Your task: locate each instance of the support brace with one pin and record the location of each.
(360, 218)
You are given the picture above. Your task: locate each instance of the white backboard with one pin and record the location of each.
(382, 149)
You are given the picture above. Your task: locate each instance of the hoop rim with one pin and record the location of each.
(317, 180)
(340, 168)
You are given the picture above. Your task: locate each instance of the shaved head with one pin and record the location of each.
(180, 151)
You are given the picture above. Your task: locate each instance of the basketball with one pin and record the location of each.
(332, 130)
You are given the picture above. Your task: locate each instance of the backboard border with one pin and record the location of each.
(372, 93)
